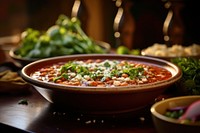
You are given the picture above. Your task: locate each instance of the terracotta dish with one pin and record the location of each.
(101, 100)
(24, 61)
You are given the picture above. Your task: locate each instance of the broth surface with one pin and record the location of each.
(101, 73)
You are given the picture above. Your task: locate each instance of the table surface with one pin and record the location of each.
(41, 116)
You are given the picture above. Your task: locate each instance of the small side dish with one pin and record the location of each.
(180, 114)
(189, 114)
(162, 50)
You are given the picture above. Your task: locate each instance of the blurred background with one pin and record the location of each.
(138, 26)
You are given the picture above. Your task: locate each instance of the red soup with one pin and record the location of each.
(101, 73)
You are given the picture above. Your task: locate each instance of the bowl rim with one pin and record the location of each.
(167, 119)
(13, 55)
(144, 87)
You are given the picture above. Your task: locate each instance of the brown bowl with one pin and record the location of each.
(165, 124)
(24, 60)
(101, 100)
(21, 60)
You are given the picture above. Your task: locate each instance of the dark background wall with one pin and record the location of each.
(148, 15)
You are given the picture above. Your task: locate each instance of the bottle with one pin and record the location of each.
(79, 10)
(173, 28)
(124, 24)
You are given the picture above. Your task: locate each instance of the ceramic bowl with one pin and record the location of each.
(165, 124)
(175, 51)
(101, 100)
(22, 61)
(168, 58)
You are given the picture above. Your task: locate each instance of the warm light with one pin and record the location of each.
(118, 3)
(117, 34)
(118, 18)
(166, 38)
(167, 5)
(75, 8)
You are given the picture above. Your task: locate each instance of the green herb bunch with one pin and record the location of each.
(190, 81)
(66, 37)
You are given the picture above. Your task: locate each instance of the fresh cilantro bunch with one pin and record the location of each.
(66, 37)
(190, 81)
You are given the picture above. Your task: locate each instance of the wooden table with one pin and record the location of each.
(40, 116)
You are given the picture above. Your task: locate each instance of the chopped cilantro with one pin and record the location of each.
(23, 101)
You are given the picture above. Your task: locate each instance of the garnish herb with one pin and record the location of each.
(23, 101)
(66, 37)
(104, 73)
(190, 81)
